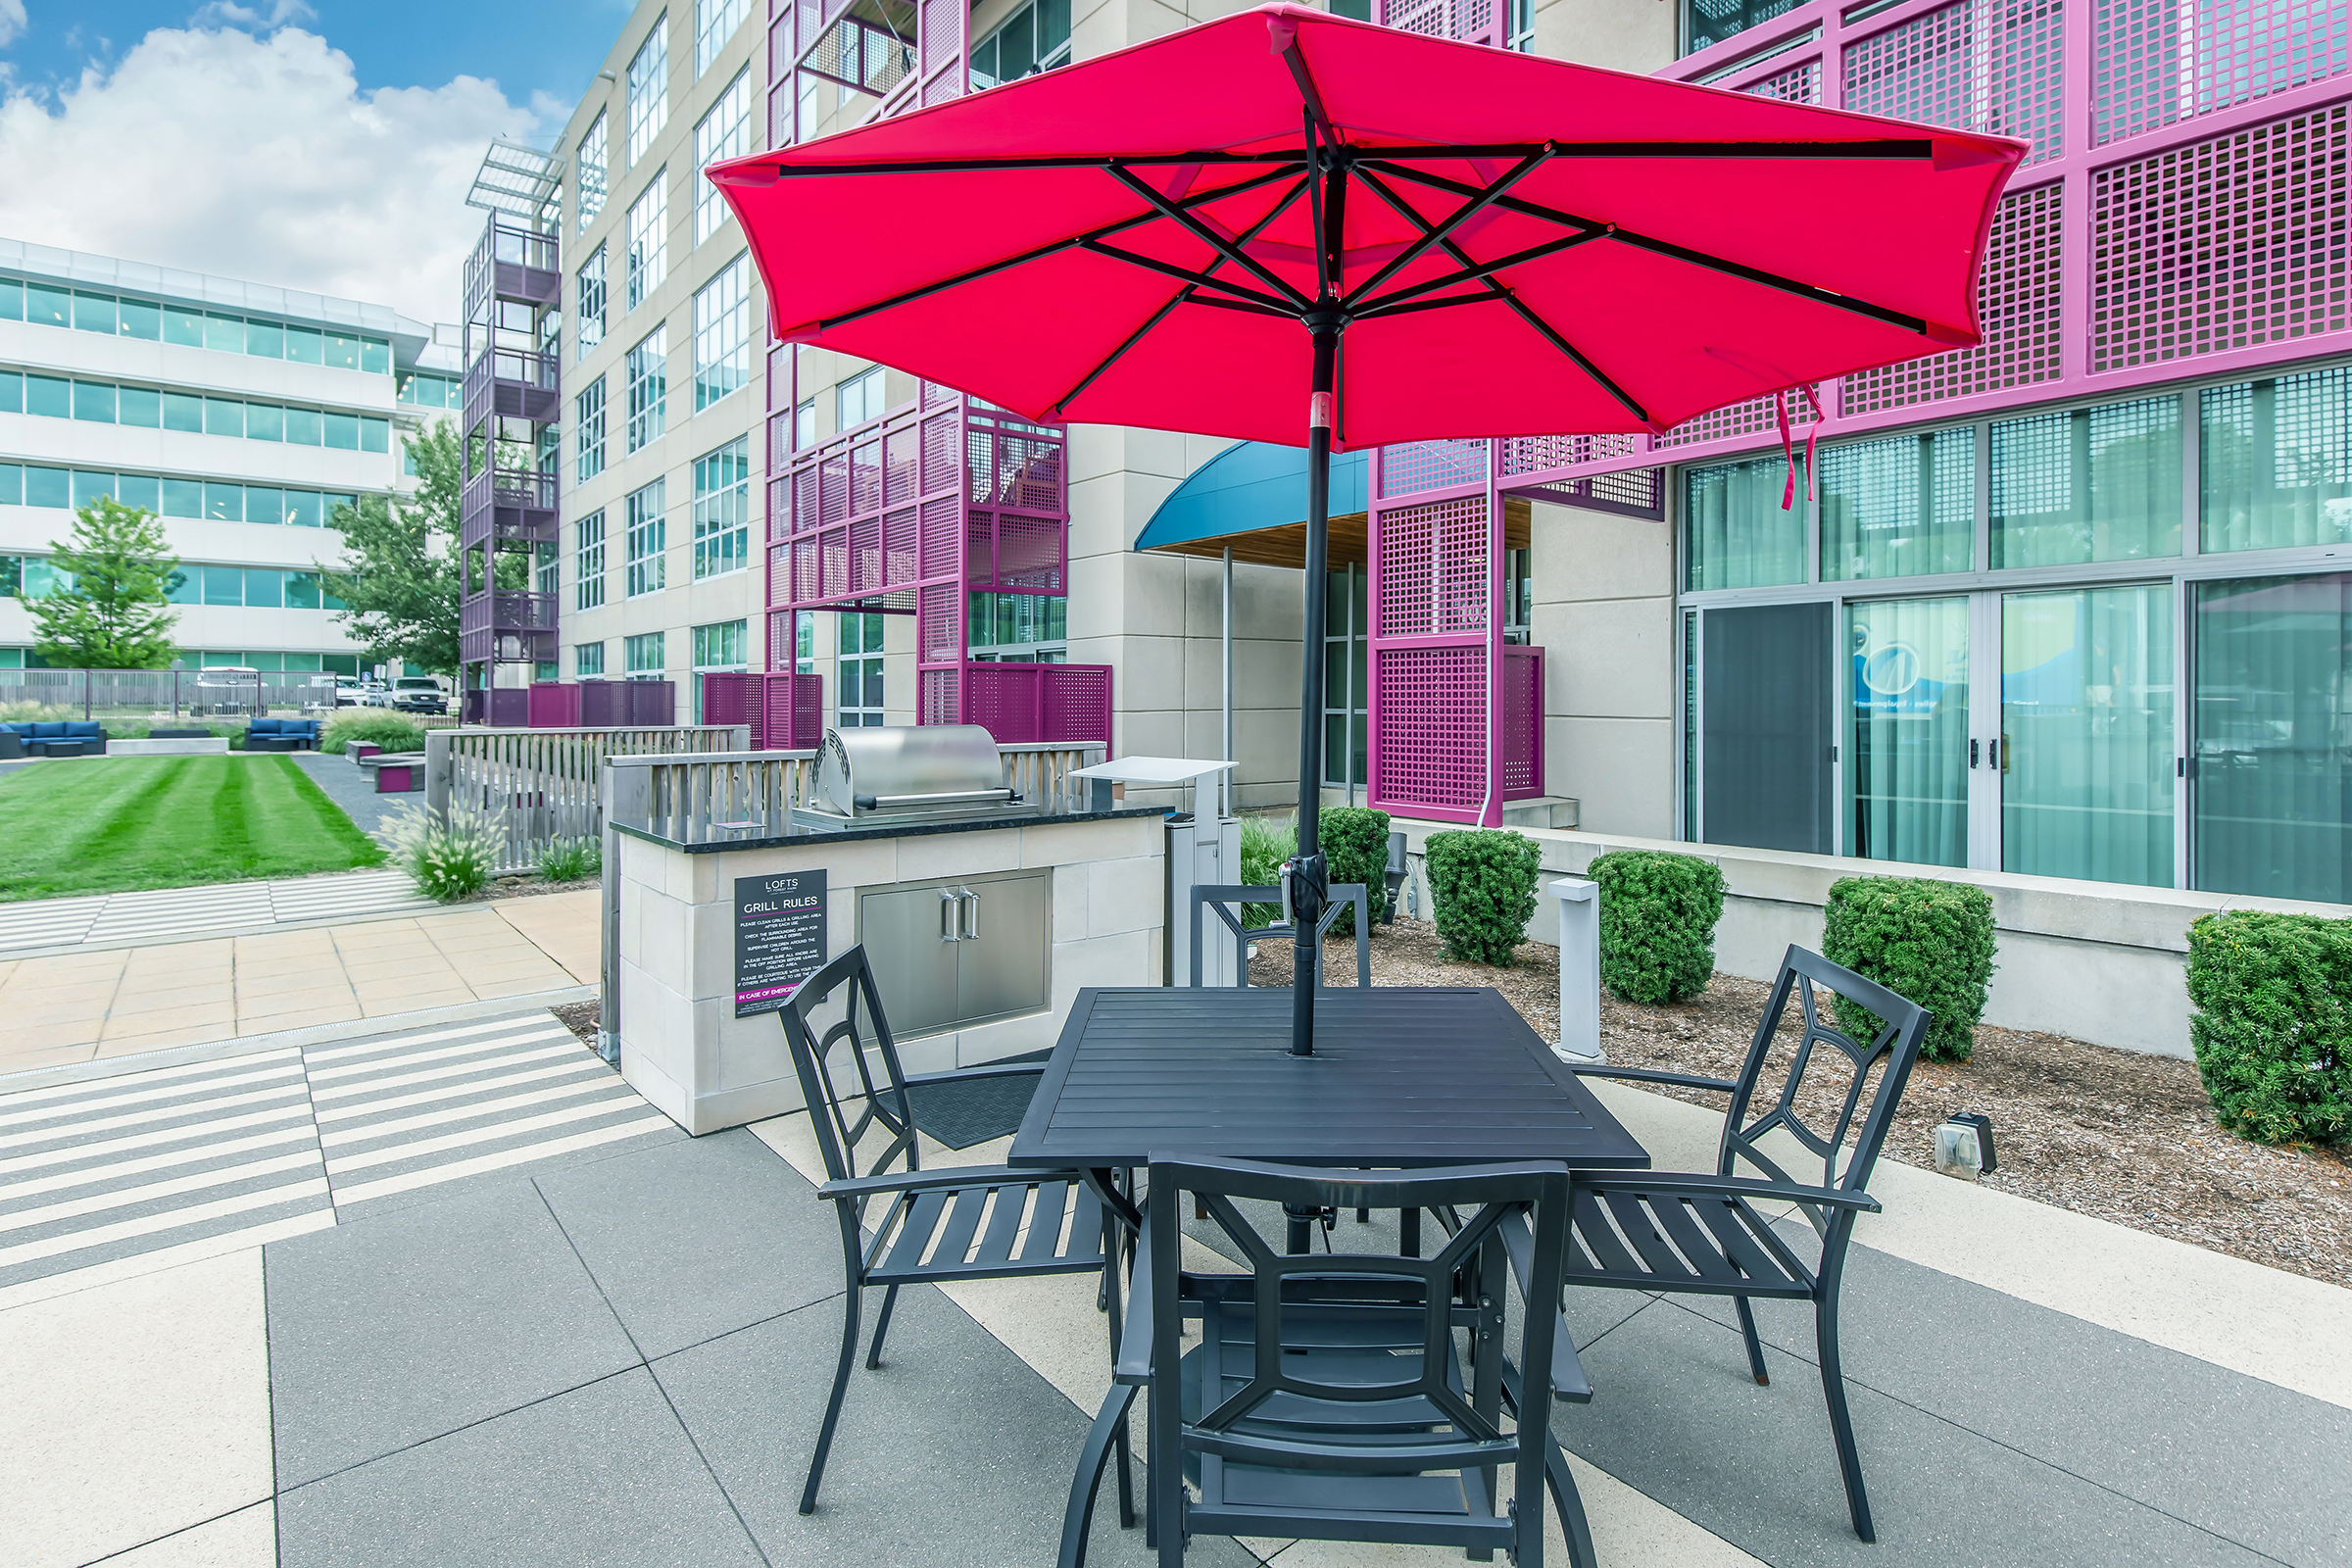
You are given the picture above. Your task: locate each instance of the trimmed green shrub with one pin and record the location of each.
(1927, 941)
(2272, 1029)
(388, 730)
(1265, 845)
(446, 860)
(1657, 923)
(572, 859)
(1483, 882)
(1356, 844)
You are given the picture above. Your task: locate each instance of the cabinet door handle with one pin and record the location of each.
(972, 914)
(950, 906)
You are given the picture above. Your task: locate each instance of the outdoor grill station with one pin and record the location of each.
(982, 912)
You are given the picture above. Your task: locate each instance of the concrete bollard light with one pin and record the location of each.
(1580, 969)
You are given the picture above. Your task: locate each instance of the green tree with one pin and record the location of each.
(118, 614)
(401, 584)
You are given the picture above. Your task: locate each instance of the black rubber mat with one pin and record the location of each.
(961, 1114)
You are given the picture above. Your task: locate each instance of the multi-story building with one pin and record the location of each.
(243, 414)
(2071, 603)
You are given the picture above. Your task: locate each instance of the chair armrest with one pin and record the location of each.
(952, 1176)
(1568, 1381)
(1134, 1363)
(1647, 1075)
(1748, 1187)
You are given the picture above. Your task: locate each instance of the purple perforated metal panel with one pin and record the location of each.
(1798, 85)
(2152, 71)
(1520, 753)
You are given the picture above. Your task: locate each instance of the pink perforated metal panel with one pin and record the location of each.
(1432, 740)
(1923, 68)
(939, 622)
(980, 548)
(1520, 761)
(2017, 301)
(2236, 241)
(1755, 417)
(2152, 72)
(1422, 466)
(779, 507)
(2024, 90)
(942, 535)
(833, 550)
(1029, 553)
(939, 458)
(1002, 698)
(1432, 18)
(1798, 85)
(865, 476)
(1073, 703)
(807, 509)
(1405, 570)
(866, 556)
(940, 696)
(900, 563)
(1464, 568)
(833, 489)
(901, 468)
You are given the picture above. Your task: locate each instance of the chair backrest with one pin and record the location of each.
(1225, 901)
(1486, 1195)
(1878, 1070)
(842, 1107)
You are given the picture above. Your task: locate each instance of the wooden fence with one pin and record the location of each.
(545, 783)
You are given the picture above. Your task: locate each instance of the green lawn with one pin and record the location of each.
(120, 825)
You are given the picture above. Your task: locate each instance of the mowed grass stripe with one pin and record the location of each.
(125, 824)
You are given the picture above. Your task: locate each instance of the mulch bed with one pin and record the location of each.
(2113, 1134)
(580, 1019)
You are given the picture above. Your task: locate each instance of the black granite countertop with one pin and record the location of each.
(743, 840)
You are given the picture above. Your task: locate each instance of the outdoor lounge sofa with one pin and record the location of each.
(72, 737)
(282, 735)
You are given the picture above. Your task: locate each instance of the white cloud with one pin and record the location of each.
(12, 20)
(257, 158)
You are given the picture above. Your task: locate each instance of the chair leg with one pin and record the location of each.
(1110, 1430)
(873, 1354)
(840, 1386)
(1842, 1426)
(1570, 1506)
(1755, 1347)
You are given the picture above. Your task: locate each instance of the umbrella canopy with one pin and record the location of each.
(1428, 238)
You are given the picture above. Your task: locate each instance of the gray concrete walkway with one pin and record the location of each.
(350, 786)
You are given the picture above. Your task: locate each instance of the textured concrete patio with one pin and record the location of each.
(622, 1360)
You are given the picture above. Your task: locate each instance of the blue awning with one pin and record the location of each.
(1253, 498)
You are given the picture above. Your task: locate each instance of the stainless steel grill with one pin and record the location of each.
(909, 774)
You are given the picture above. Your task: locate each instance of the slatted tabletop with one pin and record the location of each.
(1402, 1076)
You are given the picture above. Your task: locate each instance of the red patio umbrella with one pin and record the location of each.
(1428, 238)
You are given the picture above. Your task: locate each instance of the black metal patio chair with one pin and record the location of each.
(1225, 901)
(1706, 1235)
(969, 1222)
(1329, 1397)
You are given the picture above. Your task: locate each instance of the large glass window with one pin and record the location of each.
(1034, 38)
(1735, 533)
(1901, 508)
(723, 503)
(2272, 792)
(1346, 690)
(588, 565)
(2086, 734)
(720, 646)
(2275, 463)
(595, 171)
(725, 133)
(857, 692)
(588, 431)
(1707, 23)
(649, 239)
(588, 300)
(649, 89)
(647, 541)
(2087, 484)
(1908, 732)
(648, 387)
(722, 327)
(857, 400)
(588, 660)
(1018, 628)
(645, 654)
(715, 23)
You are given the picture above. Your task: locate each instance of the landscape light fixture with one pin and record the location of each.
(1964, 1146)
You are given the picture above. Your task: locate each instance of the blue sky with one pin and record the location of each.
(529, 47)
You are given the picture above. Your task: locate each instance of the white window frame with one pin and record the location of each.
(591, 297)
(647, 367)
(722, 513)
(725, 133)
(588, 428)
(657, 641)
(647, 541)
(649, 88)
(595, 175)
(588, 554)
(649, 239)
(715, 23)
(722, 334)
(857, 400)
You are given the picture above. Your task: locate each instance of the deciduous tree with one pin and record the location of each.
(118, 614)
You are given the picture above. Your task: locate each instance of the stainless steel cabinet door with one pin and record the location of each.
(1002, 962)
(909, 935)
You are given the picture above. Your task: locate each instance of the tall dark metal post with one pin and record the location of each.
(1308, 880)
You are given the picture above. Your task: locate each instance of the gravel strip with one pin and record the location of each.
(2113, 1134)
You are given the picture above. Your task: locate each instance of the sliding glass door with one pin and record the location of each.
(1907, 730)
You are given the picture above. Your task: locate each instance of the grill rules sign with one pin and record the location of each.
(779, 938)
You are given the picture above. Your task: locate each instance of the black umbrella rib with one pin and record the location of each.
(1683, 252)
(1475, 272)
(1308, 94)
(1444, 230)
(1519, 306)
(1198, 279)
(1190, 293)
(1902, 150)
(1230, 249)
(987, 166)
(1042, 251)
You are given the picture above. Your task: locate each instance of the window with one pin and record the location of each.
(722, 325)
(644, 655)
(857, 693)
(2276, 463)
(1522, 26)
(804, 425)
(166, 496)
(1036, 37)
(857, 400)
(647, 539)
(596, 161)
(549, 573)
(588, 561)
(588, 433)
(647, 388)
(588, 300)
(715, 23)
(725, 133)
(118, 315)
(431, 391)
(1018, 628)
(1900, 507)
(649, 89)
(723, 503)
(719, 646)
(804, 642)
(1735, 534)
(2087, 484)
(1707, 23)
(649, 239)
(588, 660)
(105, 403)
(1347, 687)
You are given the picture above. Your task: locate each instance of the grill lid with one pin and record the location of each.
(909, 766)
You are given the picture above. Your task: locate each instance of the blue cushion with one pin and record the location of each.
(49, 731)
(267, 726)
(84, 729)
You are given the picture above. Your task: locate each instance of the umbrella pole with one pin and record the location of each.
(1308, 878)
